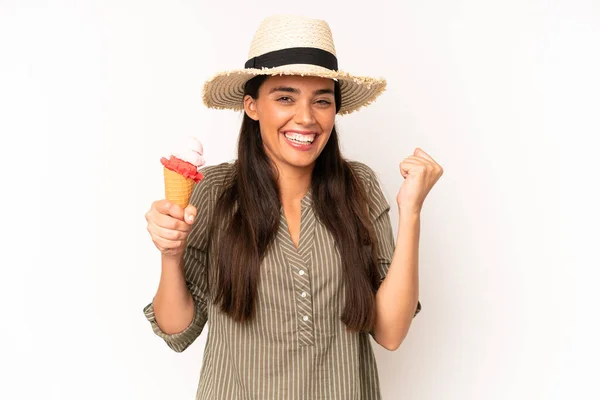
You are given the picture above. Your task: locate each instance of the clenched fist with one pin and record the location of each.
(169, 226)
(420, 172)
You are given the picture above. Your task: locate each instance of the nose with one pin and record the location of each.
(304, 114)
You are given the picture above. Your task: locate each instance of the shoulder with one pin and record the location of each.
(215, 178)
(364, 173)
(373, 187)
(218, 175)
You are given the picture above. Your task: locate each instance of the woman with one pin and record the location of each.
(284, 251)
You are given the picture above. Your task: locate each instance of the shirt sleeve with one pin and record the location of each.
(380, 215)
(195, 269)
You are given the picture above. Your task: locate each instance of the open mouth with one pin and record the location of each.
(300, 138)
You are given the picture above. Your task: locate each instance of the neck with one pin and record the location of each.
(293, 182)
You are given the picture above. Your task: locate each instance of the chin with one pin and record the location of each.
(302, 163)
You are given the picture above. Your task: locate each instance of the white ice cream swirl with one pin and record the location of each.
(189, 149)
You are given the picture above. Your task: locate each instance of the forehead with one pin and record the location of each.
(304, 83)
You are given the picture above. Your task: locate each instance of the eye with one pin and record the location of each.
(284, 99)
(324, 102)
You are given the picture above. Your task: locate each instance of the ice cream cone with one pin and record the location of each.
(178, 189)
(182, 170)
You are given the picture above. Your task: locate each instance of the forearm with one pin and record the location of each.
(173, 304)
(398, 294)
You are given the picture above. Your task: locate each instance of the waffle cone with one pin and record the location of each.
(178, 189)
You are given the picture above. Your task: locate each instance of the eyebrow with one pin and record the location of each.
(297, 91)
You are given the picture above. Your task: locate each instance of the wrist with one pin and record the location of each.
(172, 261)
(409, 210)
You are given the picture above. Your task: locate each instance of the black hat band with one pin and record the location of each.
(294, 55)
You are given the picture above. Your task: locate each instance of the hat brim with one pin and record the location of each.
(226, 89)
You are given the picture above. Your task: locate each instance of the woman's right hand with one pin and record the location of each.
(168, 227)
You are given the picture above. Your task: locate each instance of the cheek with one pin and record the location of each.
(326, 139)
(327, 122)
(273, 112)
(274, 118)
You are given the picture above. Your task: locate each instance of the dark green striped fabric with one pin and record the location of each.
(296, 347)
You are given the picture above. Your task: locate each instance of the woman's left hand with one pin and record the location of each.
(420, 173)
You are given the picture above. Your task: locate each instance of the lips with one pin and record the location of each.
(297, 145)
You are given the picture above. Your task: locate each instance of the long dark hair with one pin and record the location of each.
(250, 206)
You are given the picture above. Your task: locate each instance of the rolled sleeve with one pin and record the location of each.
(181, 340)
(194, 262)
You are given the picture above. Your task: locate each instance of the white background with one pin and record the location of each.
(503, 94)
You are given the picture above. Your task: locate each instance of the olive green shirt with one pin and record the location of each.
(296, 347)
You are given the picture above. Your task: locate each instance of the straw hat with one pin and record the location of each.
(291, 45)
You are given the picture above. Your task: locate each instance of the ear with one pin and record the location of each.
(250, 107)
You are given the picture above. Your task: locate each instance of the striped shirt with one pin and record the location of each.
(296, 347)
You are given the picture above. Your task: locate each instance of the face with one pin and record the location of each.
(296, 116)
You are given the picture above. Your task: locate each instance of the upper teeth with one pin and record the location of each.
(299, 137)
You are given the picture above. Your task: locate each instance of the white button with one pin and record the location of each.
(303, 294)
(305, 318)
(301, 272)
